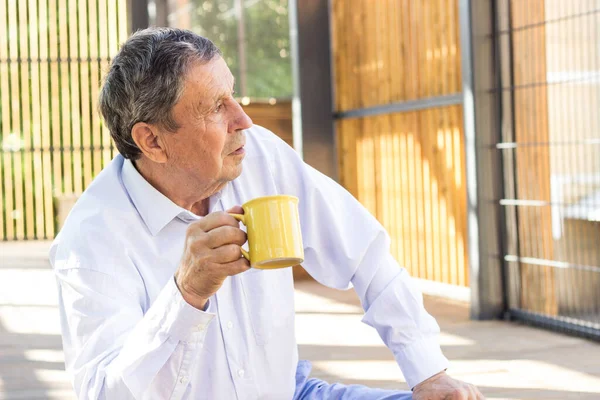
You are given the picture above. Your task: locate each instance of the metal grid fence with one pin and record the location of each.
(548, 61)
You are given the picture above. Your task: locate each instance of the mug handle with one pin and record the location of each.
(242, 219)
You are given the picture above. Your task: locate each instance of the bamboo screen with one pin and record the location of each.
(52, 57)
(406, 168)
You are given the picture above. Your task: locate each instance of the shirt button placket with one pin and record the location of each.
(231, 328)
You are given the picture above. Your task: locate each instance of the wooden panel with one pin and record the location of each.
(402, 49)
(65, 95)
(16, 128)
(410, 45)
(113, 29)
(275, 117)
(6, 221)
(104, 53)
(406, 127)
(366, 174)
(57, 165)
(395, 152)
(86, 101)
(75, 113)
(45, 128)
(37, 205)
(408, 170)
(123, 34)
(347, 131)
(23, 50)
(49, 78)
(123, 24)
(95, 71)
(533, 163)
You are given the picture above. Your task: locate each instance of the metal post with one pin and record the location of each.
(314, 77)
(162, 12)
(138, 15)
(482, 159)
(241, 43)
(296, 105)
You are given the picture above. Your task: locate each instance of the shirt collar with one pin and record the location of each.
(156, 209)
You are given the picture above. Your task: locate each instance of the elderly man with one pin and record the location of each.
(156, 301)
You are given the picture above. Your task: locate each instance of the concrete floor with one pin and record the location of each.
(506, 360)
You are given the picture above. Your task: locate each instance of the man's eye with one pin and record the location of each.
(218, 108)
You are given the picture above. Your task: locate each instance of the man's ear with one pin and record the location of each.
(148, 140)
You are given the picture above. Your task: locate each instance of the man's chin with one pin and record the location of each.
(233, 172)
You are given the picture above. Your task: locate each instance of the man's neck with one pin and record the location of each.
(185, 196)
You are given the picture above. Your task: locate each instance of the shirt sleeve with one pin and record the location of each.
(115, 351)
(346, 246)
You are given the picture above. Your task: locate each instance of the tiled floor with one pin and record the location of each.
(507, 361)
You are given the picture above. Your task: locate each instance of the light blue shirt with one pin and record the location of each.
(128, 333)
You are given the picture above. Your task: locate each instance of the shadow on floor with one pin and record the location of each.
(535, 362)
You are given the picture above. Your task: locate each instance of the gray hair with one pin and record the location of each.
(145, 81)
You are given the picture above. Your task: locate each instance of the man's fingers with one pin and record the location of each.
(236, 210)
(458, 393)
(226, 254)
(223, 235)
(467, 392)
(215, 220)
(236, 267)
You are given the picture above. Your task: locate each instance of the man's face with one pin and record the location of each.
(208, 147)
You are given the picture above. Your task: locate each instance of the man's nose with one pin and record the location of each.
(242, 120)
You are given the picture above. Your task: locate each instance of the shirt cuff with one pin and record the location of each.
(181, 320)
(430, 360)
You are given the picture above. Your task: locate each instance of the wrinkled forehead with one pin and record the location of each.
(209, 79)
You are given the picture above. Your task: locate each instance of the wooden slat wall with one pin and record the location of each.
(15, 95)
(84, 76)
(390, 51)
(276, 117)
(406, 168)
(37, 213)
(5, 164)
(52, 55)
(45, 132)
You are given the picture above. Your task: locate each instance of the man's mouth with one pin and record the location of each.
(241, 142)
(238, 151)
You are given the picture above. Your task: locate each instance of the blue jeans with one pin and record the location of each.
(316, 389)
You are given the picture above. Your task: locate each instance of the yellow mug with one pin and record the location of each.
(273, 229)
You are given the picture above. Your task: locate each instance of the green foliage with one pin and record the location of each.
(266, 42)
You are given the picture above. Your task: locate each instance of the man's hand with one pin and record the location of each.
(443, 387)
(212, 253)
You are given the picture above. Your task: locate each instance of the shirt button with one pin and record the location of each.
(183, 379)
(229, 324)
(200, 327)
(241, 373)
